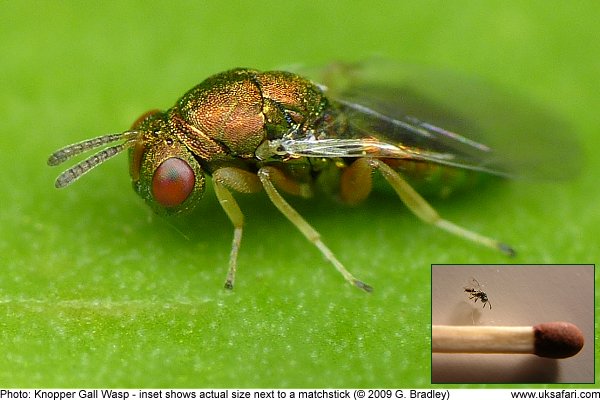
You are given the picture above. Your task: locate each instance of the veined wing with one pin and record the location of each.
(444, 118)
(354, 148)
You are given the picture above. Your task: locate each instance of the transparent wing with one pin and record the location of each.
(403, 111)
(348, 148)
(472, 285)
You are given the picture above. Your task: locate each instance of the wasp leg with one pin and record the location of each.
(356, 182)
(280, 180)
(419, 206)
(240, 181)
(266, 175)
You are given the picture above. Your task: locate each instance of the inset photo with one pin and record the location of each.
(512, 323)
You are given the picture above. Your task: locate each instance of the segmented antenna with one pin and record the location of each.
(75, 172)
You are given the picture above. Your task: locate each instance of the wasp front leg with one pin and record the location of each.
(422, 209)
(240, 181)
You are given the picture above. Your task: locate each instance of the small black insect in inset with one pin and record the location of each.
(475, 292)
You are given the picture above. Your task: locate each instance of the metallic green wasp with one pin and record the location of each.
(281, 132)
(475, 293)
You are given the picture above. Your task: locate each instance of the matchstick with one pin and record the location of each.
(551, 340)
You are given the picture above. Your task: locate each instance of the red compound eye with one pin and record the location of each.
(173, 181)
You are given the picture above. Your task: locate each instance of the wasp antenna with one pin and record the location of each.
(79, 169)
(62, 155)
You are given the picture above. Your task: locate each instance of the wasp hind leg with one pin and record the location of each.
(421, 208)
(356, 182)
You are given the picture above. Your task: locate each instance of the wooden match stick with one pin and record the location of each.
(551, 339)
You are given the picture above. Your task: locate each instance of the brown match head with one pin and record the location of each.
(557, 339)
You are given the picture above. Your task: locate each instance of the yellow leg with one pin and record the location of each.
(356, 182)
(265, 175)
(241, 181)
(288, 185)
(419, 206)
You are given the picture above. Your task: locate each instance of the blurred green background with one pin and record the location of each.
(96, 291)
